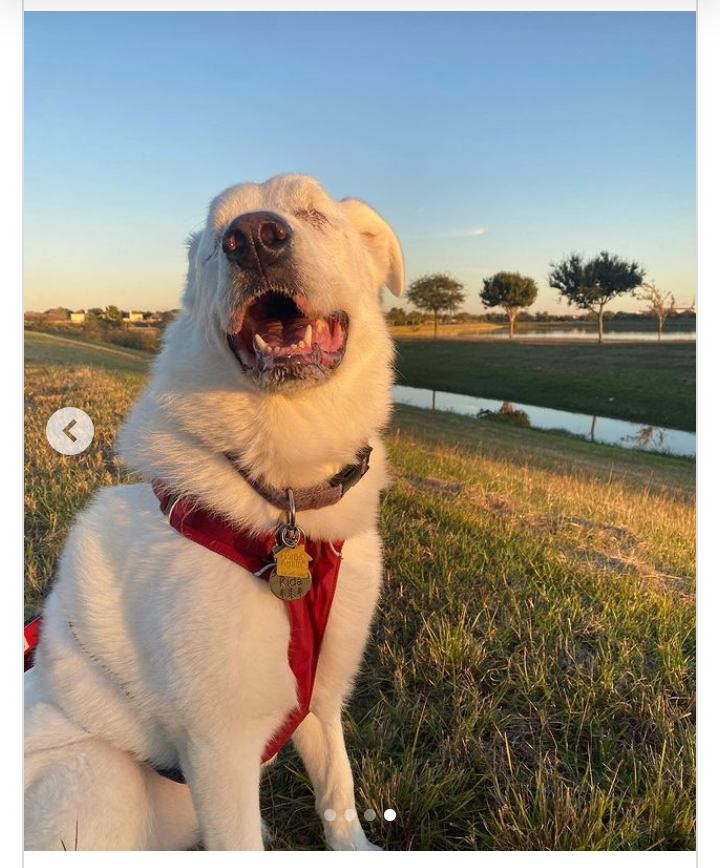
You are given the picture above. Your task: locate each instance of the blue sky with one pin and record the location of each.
(550, 132)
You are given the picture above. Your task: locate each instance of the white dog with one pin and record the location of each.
(157, 648)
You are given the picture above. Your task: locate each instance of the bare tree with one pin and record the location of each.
(660, 304)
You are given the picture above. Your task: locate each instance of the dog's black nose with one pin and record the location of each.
(257, 239)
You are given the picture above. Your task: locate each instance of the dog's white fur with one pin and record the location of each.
(155, 649)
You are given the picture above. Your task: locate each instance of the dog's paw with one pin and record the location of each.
(368, 846)
(354, 840)
(353, 845)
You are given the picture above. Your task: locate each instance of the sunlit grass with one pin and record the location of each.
(427, 329)
(530, 679)
(57, 486)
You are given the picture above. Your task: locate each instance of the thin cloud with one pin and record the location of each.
(467, 233)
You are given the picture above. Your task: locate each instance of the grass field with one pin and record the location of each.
(530, 680)
(640, 382)
(104, 382)
(426, 329)
(56, 349)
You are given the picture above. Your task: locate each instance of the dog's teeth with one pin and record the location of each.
(308, 336)
(260, 343)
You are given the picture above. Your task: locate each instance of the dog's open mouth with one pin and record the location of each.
(276, 339)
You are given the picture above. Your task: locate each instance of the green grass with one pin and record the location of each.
(41, 347)
(57, 486)
(529, 684)
(647, 382)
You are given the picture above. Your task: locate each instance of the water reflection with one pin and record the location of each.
(599, 429)
(572, 333)
(647, 437)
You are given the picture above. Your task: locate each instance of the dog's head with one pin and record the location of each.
(287, 278)
(280, 355)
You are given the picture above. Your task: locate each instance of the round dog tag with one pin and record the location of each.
(289, 588)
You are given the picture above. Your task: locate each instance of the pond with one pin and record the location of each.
(599, 429)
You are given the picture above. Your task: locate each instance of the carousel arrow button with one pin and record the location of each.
(66, 430)
(70, 431)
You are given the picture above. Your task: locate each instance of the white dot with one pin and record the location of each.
(389, 814)
(329, 815)
(350, 815)
(369, 815)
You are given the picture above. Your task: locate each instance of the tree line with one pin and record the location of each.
(588, 284)
(106, 324)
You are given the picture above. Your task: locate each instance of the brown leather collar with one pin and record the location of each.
(317, 496)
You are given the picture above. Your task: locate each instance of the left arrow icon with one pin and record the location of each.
(70, 431)
(66, 430)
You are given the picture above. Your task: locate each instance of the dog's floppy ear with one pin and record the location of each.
(381, 243)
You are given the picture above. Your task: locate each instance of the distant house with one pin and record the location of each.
(132, 316)
(78, 316)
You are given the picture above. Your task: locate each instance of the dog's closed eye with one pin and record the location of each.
(315, 218)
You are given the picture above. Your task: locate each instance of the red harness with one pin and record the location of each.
(308, 615)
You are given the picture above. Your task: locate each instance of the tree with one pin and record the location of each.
(511, 291)
(591, 285)
(396, 316)
(58, 314)
(167, 316)
(659, 304)
(435, 293)
(112, 316)
(35, 319)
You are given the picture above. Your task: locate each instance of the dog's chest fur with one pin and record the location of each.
(193, 639)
